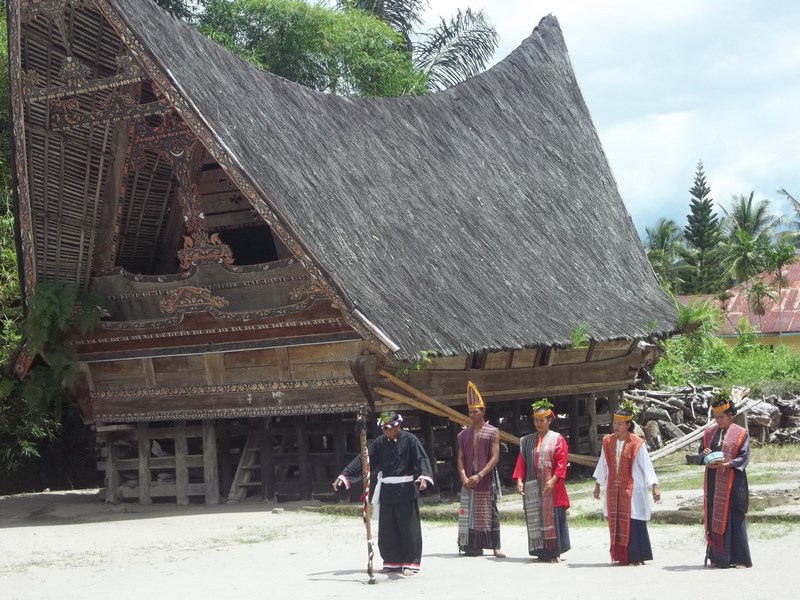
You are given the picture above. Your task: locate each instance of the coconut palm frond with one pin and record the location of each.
(453, 52)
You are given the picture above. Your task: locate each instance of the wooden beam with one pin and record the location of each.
(527, 382)
(410, 401)
(364, 370)
(210, 464)
(463, 419)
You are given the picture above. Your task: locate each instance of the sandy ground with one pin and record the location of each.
(68, 545)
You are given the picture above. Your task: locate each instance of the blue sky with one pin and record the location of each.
(669, 83)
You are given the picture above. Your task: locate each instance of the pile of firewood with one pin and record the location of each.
(668, 415)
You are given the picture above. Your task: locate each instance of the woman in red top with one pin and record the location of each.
(540, 472)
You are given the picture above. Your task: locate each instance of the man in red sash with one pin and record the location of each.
(625, 470)
(726, 494)
(478, 453)
(540, 473)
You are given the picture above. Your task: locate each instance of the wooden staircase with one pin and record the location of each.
(248, 472)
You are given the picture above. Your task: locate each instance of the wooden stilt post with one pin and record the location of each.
(181, 468)
(303, 458)
(112, 474)
(591, 409)
(145, 478)
(210, 464)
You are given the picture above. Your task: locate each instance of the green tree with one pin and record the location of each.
(778, 257)
(746, 256)
(758, 297)
(5, 119)
(754, 218)
(449, 53)
(698, 321)
(703, 234)
(183, 9)
(793, 234)
(664, 245)
(345, 52)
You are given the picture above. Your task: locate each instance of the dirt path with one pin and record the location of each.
(68, 546)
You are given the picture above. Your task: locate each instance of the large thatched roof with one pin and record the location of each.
(482, 217)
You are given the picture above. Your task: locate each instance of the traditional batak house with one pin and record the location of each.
(271, 256)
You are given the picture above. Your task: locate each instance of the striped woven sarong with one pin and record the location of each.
(734, 438)
(538, 507)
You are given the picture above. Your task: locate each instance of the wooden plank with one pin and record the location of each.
(156, 462)
(128, 433)
(249, 374)
(112, 474)
(524, 358)
(522, 383)
(160, 490)
(253, 358)
(284, 366)
(210, 465)
(287, 401)
(214, 363)
(265, 446)
(149, 372)
(496, 360)
(319, 353)
(181, 468)
(117, 427)
(456, 363)
(328, 370)
(568, 356)
(144, 464)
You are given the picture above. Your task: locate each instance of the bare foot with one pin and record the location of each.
(557, 559)
(408, 572)
(739, 566)
(499, 553)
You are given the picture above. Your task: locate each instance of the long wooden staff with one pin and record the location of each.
(365, 475)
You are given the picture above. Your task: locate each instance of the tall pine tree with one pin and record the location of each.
(703, 234)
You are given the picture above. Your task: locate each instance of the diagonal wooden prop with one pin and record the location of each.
(433, 406)
(361, 424)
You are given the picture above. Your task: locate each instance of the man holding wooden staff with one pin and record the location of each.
(402, 464)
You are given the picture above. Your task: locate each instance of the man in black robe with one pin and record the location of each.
(402, 464)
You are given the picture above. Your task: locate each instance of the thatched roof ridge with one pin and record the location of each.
(483, 217)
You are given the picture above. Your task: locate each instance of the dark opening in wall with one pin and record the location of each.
(250, 245)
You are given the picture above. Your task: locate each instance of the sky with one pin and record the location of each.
(672, 82)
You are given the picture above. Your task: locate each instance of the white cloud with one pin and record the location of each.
(670, 82)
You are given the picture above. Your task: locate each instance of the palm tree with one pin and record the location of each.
(757, 220)
(664, 245)
(697, 320)
(793, 235)
(402, 15)
(745, 256)
(757, 297)
(778, 256)
(449, 53)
